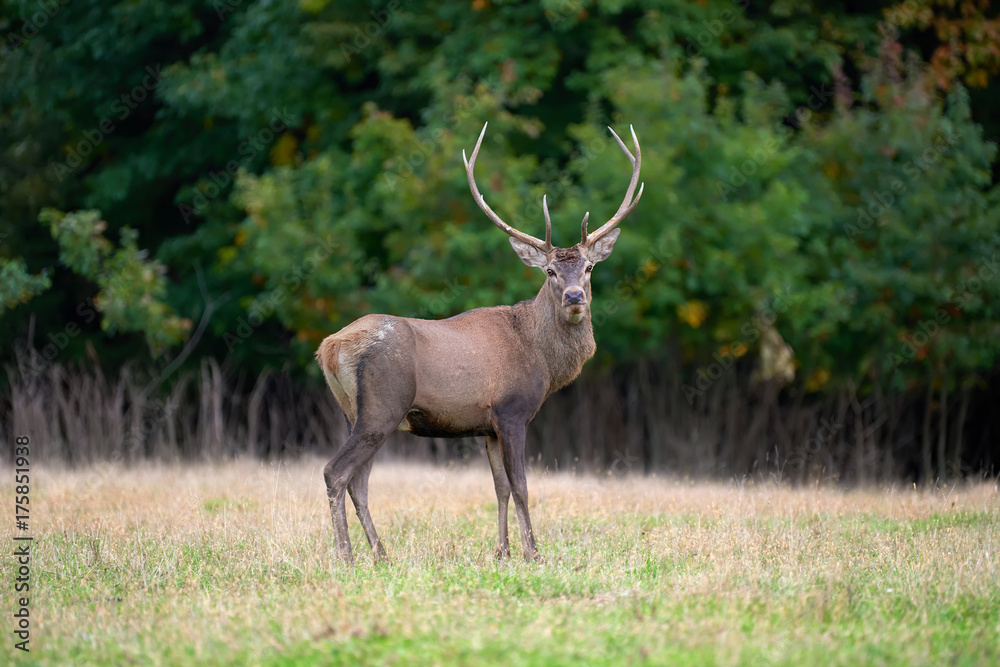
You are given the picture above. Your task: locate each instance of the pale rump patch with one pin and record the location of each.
(338, 361)
(344, 389)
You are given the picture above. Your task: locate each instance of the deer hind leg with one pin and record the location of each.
(512, 449)
(381, 404)
(358, 488)
(502, 486)
(350, 460)
(350, 466)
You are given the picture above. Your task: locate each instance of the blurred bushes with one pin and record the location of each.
(809, 182)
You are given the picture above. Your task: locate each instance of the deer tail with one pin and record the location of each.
(327, 355)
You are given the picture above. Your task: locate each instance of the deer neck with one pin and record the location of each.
(562, 347)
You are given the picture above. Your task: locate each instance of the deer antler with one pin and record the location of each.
(628, 203)
(470, 164)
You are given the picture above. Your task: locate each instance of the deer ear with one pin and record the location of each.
(530, 255)
(602, 248)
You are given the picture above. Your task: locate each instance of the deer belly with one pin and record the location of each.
(427, 425)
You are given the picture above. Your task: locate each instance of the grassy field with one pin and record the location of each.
(233, 564)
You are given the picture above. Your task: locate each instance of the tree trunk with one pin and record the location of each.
(928, 465)
(942, 443)
(859, 436)
(959, 434)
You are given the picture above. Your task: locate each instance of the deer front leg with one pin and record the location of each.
(502, 487)
(512, 450)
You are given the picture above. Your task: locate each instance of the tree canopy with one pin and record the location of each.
(811, 168)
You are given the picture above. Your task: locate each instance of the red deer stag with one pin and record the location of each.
(483, 372)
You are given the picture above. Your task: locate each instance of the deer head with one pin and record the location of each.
(567, 269)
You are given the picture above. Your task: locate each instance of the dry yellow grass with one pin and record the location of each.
(234, 564)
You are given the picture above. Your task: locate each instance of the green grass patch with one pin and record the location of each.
(206, 574)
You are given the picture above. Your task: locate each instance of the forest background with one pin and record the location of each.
(194, 194)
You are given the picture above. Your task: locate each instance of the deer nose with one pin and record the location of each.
(573, 295)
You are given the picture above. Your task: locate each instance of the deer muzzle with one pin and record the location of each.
(573, 296)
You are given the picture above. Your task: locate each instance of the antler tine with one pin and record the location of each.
(548, 223)
(583, 227)
(628, 203)
(470, 164)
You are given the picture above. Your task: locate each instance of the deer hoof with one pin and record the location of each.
(502, 553)
(345, 557)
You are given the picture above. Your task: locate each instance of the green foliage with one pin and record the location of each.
(912, 237)
(132, 287)
(17, 286)
(308, 157)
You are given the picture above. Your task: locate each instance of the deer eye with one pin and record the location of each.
(590, 268)
(551, 272)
